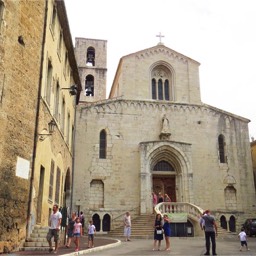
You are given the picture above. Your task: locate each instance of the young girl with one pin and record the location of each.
(77, 233)
(167, 232)
(91, 232)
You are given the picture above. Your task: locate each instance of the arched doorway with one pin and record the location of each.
(223, 222)
(164, 179)
(165, 167)
(96, 221)
(232, 224)
(106, 222)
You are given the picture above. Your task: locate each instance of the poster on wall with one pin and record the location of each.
(22, 168)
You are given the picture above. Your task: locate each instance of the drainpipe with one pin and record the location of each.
(73, 158)
(36, 126)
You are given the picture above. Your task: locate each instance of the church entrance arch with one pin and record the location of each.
(165, 168)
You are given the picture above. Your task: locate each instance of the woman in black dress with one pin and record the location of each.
(158, 231)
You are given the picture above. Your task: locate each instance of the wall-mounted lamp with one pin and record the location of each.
(72, 90)
(51, 125)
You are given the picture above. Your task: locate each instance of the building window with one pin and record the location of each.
(221, 142)
(59, 45)
(54, 16)
(103, 144)
(89, 85)
(166, 90)
(68, 129)
(63, 115)
(49, 83)
(154, 89)
(56, 101)
(57, 188)
(51, 181)
(90, 57)
(160, 83)
(1, 13)
(160, 89)
(163, 166)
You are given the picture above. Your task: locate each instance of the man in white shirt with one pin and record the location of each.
(127, 226)
(55, 223)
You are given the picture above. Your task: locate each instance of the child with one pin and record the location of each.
(91, 232)
(77, 233)
(243, 239)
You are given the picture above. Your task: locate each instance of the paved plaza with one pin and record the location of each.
(179, 246)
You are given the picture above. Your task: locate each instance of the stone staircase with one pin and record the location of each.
(142, 227)
(37, 240)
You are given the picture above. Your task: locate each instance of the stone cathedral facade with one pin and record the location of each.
(154, 133)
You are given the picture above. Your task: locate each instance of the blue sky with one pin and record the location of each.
(220, 34)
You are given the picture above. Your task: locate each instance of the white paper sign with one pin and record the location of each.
(22, 168)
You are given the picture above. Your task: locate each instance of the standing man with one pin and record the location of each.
(55, 223)
(127, 226)
(210, 229)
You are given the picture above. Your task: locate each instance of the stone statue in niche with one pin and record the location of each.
(165, 133)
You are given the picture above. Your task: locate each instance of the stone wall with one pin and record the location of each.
(20, 48)
(192, 148)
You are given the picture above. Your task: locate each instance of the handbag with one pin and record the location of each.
(159, 232)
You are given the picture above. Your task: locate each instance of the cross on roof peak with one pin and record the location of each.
(160, 37)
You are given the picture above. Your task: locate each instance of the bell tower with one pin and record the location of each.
(91, 57)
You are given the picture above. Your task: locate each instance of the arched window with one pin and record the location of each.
(103, 144)
(89, 85)
(166, 90)
(161, 83)
(163, 166)
(90, 57)
(160, 89)
(221, 142)
(154, 89)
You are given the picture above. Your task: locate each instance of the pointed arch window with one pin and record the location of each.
(103, 144)
(90, 57)
(221, 142)
(163, 166)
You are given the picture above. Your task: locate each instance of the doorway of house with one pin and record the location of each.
(165, 185)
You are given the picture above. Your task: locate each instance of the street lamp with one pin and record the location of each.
(51, 126)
